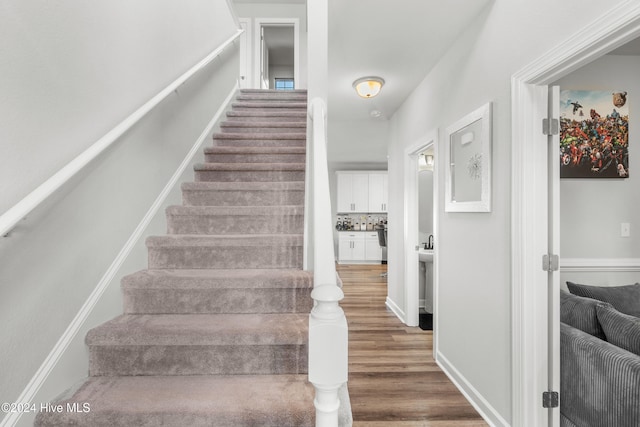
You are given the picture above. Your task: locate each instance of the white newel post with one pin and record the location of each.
(328, 341)
(328, 331)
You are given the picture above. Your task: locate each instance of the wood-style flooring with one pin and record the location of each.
(393, 378)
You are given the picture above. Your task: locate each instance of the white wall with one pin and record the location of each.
(363, 141)
(591, 210)
(275, 10)
(70, 73)
(474, 249)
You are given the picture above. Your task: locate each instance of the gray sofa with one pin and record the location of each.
(600, 358)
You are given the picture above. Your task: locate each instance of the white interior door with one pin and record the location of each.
(264, 61)
(245, 54)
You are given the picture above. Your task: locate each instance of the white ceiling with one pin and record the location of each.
(399, 41)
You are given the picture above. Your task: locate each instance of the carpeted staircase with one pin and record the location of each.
(214, 332)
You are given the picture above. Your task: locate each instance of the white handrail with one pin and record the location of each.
(10, 218)
(328, 332)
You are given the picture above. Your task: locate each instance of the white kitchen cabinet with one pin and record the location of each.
(372, 249)
(351, 247)
(358, 247)
(353, 192)
(378, 192)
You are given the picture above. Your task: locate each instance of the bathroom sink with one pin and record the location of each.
(425, 255)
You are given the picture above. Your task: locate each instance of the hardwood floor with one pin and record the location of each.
(393, 378)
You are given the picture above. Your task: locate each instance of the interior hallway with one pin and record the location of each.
(393, 378)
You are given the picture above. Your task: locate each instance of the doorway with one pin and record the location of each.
(276, 51)
(535, 322)
(412, 233)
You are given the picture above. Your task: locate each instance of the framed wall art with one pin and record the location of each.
(468, 155)
(594, 134)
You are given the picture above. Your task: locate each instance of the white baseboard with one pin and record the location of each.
(63, 343)
(600, 265)
(481, 405)
(396, 310)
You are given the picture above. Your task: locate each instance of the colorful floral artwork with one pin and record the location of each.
(594, 134)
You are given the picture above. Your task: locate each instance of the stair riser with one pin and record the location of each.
(197, 360)
(259, 109)
(216, 301)
(246, 117)
(275, 97)
(242, 198)
(235, 224)
(255, 158)
(247, 176)
(232, 257)
(260, 142)
(252, 129)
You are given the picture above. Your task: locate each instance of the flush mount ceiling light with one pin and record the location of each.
(368, 87)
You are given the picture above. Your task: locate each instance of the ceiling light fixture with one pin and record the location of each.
(368, 87)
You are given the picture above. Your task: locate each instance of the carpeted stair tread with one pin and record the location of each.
(237, 251)
(271, 104)
(235, 219)
(243, 193)
(224, 279)
(254, 150)
(176, 401)
(201, 329)
(265, 172)
(249, 167)
(244, 240)
(243, 186)
(277, 136)
(256, 211)
(297, 97)
(218, 291)
(264, 124)
(271, 115)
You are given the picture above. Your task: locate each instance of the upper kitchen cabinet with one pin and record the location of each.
(378, 192)
(362, 191)
(353, 192)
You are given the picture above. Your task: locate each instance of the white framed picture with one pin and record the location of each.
(468, 157)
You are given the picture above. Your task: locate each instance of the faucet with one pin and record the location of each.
(429, 244)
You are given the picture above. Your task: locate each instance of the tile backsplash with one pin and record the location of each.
(360, 222)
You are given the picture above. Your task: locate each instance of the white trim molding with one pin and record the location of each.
(475, 398)
(593, 265)
(63, 343)
(276, 22)
(612, 29)
(395, 309)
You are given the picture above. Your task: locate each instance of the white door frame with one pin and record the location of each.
(411, 230)
(529, 192)
(277, 22)
(246, 75)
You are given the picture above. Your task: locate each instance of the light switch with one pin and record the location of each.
(625, 229)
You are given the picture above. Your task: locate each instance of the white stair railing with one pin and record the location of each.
(328, 332)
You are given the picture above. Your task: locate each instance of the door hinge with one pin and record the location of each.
(550, 126)
(550, 262)
(550, 399)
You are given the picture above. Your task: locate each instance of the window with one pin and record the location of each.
(284, 84)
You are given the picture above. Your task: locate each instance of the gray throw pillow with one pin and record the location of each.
(580, 313)
(625, 299)
(622, 330)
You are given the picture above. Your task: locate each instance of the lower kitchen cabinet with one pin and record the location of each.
(359, 247)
